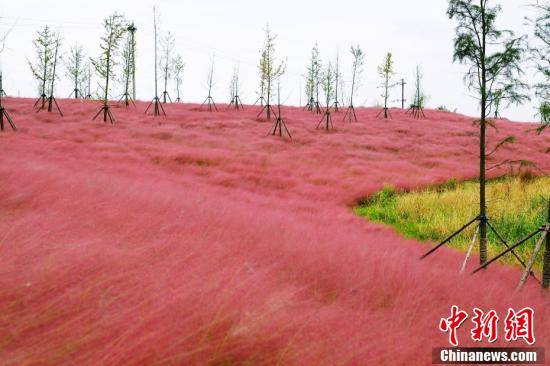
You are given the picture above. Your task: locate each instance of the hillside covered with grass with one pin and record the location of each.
(196, 239)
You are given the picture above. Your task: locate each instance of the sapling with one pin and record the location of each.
(262, 66)
(209, 101)
(167, 62)
(328, 76)
(234, 87)
(386, 72)
(494, 58)
(156, 103)
(313, 81)
(179, 67)
(114, 30)
(133, 54)
(279, 128)
(271, 70)
(51, 99)
(356, 73)
(76, 67)
(419, 99)
(337, 79)
(41, 68)
(129, 67)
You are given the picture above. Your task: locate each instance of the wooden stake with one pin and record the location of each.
(469, 253)
(527, 271)
(546, 263)
(449, 238)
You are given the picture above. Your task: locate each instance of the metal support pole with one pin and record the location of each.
(546, 262)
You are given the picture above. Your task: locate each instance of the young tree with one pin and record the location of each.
(317, 76)
(356, 72)
(167, 62)
(76, 66)
(309, 88)
(271, 71)
(494, 58)
(261, 68)
(114, 30)
(419, 99)
(156, 103)
(42, 67)
(234, 87)
(386, 72)
(129, 66)
(210, 82)
(53, 78)
(133, 43)
(279, 128)
(313, 80)
(337, 79)
(541, 55)
(179, 67)
(328, 76)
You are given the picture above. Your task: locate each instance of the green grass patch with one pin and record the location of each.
(516, 206)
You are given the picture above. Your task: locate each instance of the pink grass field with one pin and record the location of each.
(197, 240)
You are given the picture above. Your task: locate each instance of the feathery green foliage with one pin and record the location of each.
(270, 68)
(313, 77)
(42, 68)
(179, 67)
(493, 55)
(328, 77)
(114, 29)
(357, 70)
(129, 64)
(76, 66)
(386, 72)
(167, 61)
(494, 59)
(541, 55)
(419, 98)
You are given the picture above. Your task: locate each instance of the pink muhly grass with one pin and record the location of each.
(197, 240)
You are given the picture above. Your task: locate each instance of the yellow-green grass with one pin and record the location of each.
(516, 206)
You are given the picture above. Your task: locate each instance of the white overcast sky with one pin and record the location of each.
(416, 32)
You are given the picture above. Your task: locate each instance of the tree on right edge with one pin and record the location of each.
(494, 57)
(541, 55)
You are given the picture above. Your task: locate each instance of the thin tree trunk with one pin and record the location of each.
(44, 80)
(482, 155)
(546, 263)
(353, 85)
